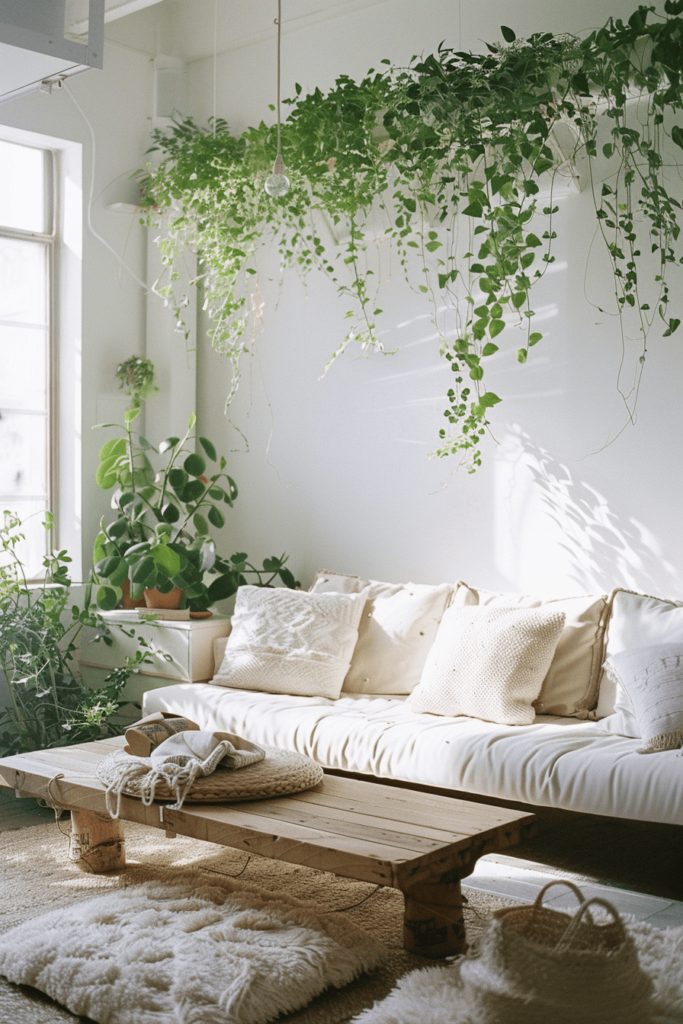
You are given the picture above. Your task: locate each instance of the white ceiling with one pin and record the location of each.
(187, 26)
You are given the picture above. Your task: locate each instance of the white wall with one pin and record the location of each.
(117, 102)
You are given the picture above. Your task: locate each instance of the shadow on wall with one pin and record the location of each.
(551, 529)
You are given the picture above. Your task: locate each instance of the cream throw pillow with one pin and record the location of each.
(636, 620)
(488, 663)
(287, 641)
(571, 686)
(397, 629)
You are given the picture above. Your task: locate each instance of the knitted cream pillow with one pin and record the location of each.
(287, 641)
(488, 663)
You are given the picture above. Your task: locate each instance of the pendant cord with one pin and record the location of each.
(215, 54)
(278, 22)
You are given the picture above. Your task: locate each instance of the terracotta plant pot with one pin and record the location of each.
(127, 601)
(155, 599)
(201, 615)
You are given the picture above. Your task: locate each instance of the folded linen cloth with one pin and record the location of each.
(177, 762)
(210, 748)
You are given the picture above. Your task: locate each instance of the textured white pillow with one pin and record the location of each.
(571, 686)
(636, 620)
(488, 663)
(650, 680)
(287, 641)
(396, 631)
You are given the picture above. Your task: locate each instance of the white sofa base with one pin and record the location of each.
(556, 762)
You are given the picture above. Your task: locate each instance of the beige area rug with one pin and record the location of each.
(36, 876)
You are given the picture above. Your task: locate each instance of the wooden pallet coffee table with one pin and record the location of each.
(420, 843)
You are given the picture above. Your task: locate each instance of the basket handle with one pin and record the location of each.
(538, 902)
(573, 926)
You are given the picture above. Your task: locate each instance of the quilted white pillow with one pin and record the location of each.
(287, 641)
(637, 620)
(397, 629)
(488, 663)
(571, 685)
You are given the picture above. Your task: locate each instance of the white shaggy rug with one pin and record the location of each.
(433, 995)
(162, 953)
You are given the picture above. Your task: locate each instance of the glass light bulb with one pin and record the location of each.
(277, 185)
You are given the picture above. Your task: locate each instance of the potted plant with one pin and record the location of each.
(159, 541)
(49, 704)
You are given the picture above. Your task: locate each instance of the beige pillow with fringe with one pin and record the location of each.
(570, 687)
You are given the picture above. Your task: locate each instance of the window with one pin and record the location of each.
(27, 385)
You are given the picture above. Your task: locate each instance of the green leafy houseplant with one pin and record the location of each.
(136, 378)
(160, 539)
(454, 163)
(39, 628)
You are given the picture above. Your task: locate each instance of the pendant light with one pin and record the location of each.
(277, 183)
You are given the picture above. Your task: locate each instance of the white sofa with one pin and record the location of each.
(584, 764)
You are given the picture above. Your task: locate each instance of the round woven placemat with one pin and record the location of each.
(280, 772)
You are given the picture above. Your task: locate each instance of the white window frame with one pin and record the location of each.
(65, 246)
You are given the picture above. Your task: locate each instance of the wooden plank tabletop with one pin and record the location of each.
(359, 829)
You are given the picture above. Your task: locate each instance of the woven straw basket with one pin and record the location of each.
(541, 966)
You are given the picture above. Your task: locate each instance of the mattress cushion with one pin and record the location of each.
(554, 762)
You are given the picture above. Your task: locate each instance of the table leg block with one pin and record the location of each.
(433, 924)
(97, 843)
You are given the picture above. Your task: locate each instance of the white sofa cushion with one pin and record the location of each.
(651, 679)
(555, 762)
(571, 684)
(488, 663)
(397, 629)
(636, 620)
(287, 641)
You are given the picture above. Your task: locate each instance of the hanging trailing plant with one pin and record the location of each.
(454, 164)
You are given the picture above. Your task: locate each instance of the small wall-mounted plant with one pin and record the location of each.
(136, 378)
(453, 161)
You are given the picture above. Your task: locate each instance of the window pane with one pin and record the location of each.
(30, 551)
(23, 358)
(23, 455)
(22, 187)
(23, 281)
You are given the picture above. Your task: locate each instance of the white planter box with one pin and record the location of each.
(189, 644)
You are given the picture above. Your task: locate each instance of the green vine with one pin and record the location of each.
(453, 161)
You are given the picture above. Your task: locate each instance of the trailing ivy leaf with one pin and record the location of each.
(208, 448)
(489, 399)
(535, 338)
(521, 355)
(677, 135)
(474, 209)
(489, 349)
(534, 240)
(495, 327)
(673, 326)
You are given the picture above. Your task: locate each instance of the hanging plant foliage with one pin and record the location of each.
(454, 162)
